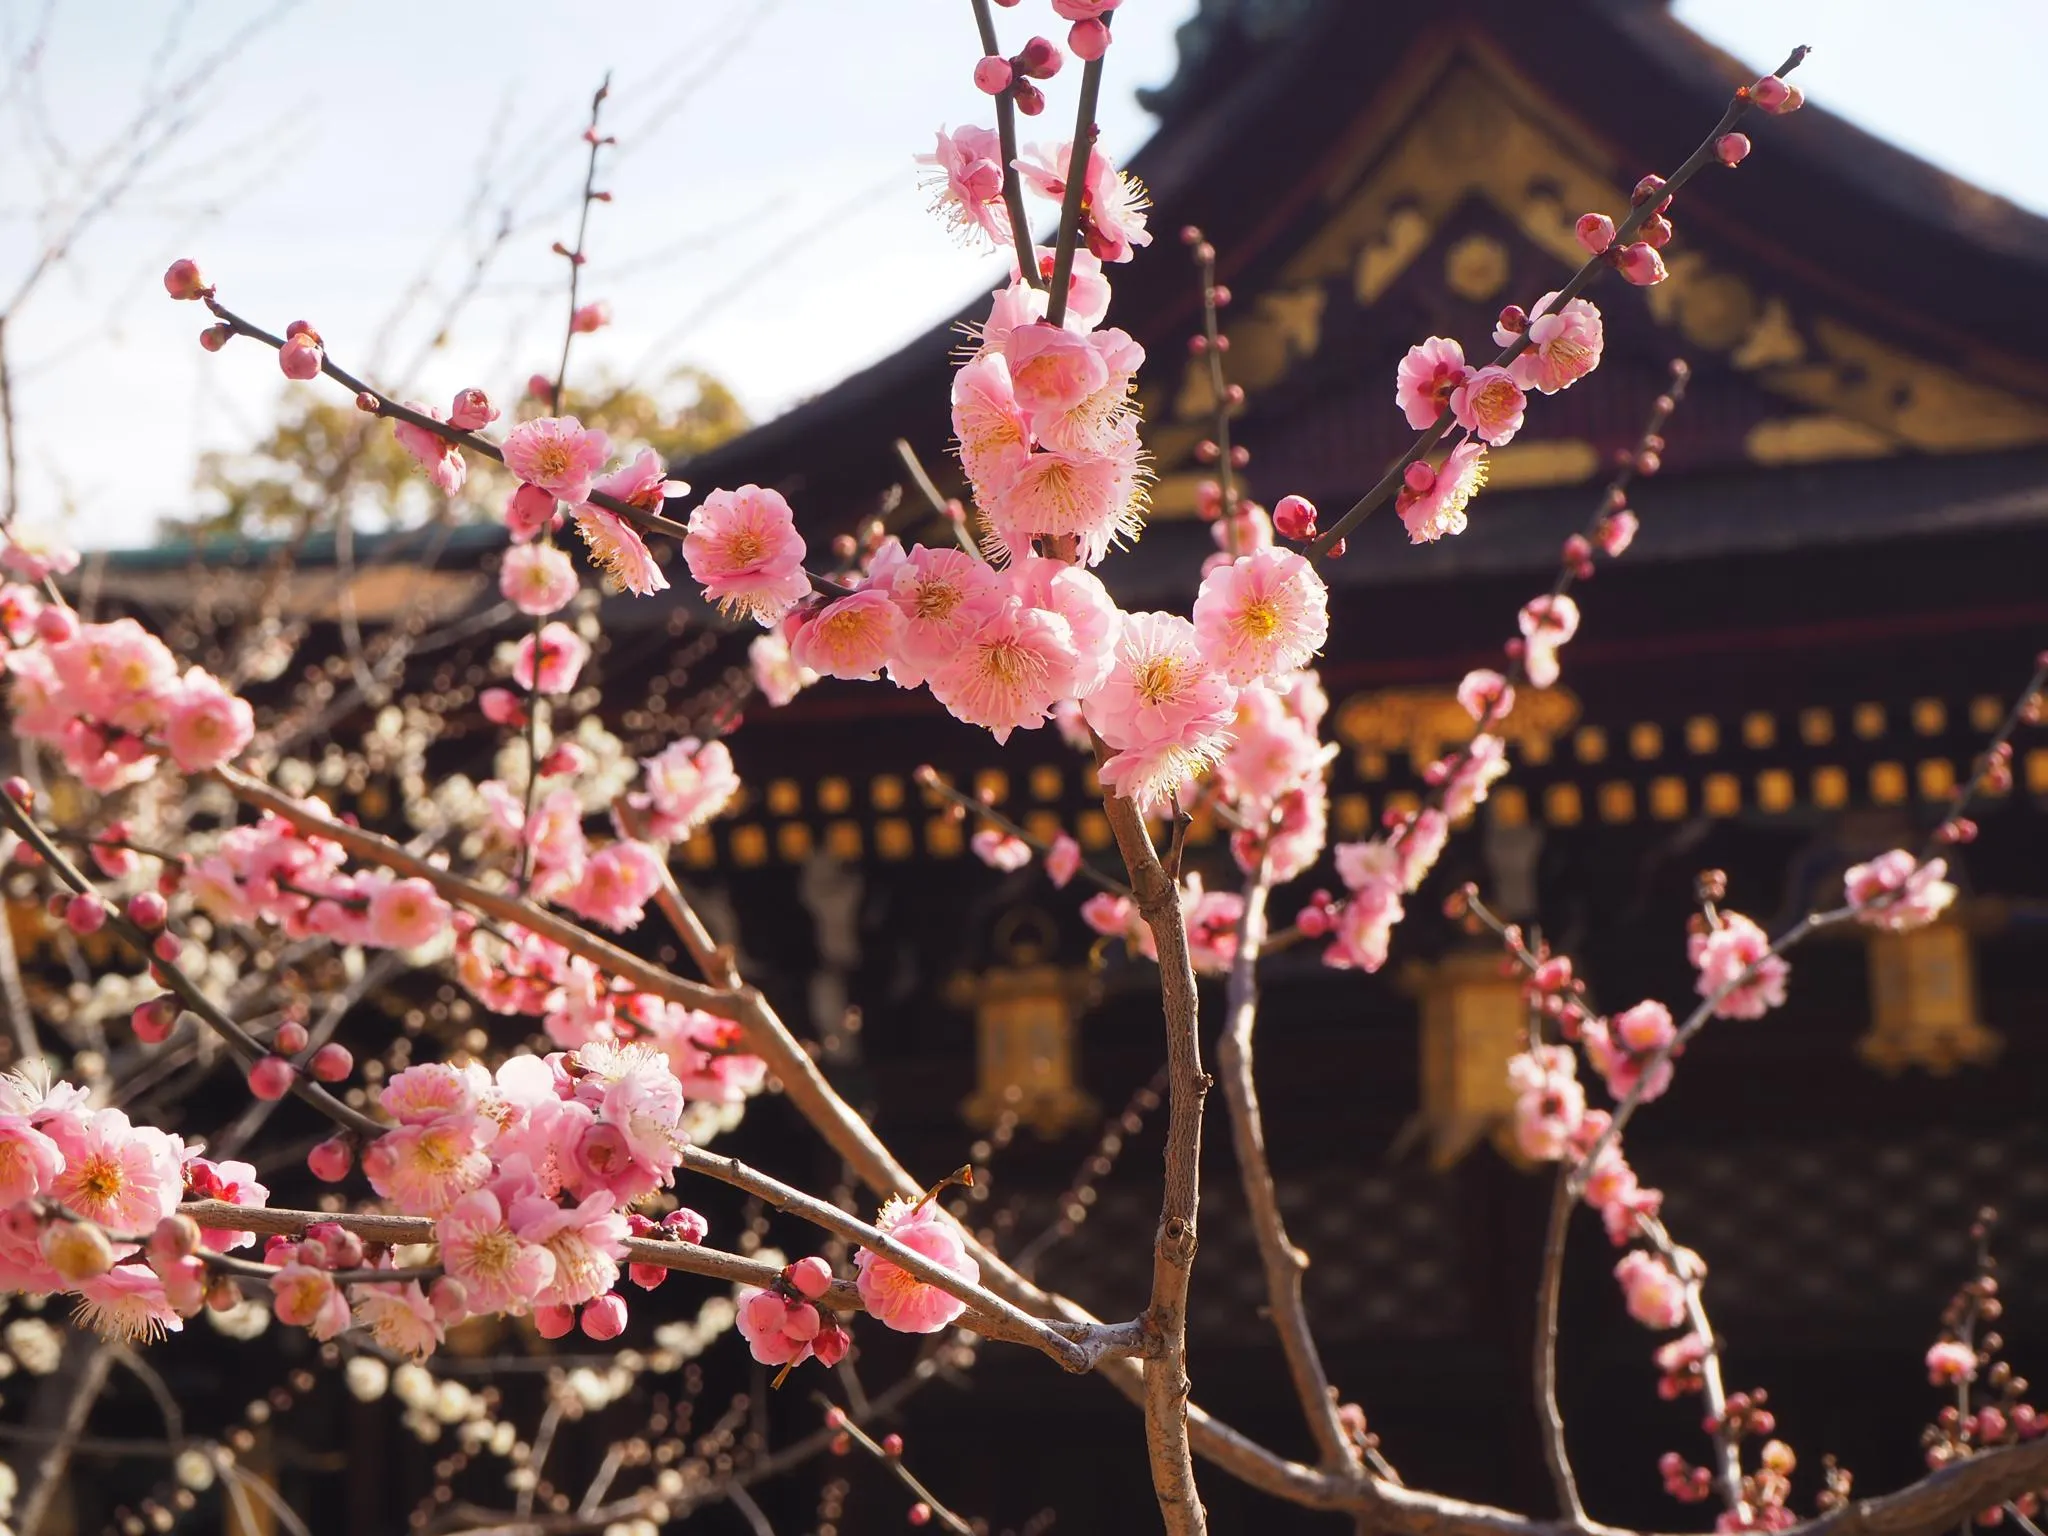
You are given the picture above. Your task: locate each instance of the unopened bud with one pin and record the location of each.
(1732, 148)
(1641, 265)
(993, 75)
(1089, 39)
(184, 280)
(1595, 232)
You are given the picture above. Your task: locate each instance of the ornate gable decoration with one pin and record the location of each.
(1469, 128)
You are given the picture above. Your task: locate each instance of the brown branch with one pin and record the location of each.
(1282, 1261)
(1548, 1414)
(1727, 1447)
(1166, 1385)
(173, 979)
(860, 1437)
(1738, 107)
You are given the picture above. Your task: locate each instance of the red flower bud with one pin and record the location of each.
(1732, 148)
(184, 280)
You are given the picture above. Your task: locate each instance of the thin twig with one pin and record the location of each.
(1738, 107)
(1548, 1415)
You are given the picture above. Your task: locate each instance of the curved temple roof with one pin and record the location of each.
(1372, 173)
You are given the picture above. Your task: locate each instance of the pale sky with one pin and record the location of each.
(353, 161)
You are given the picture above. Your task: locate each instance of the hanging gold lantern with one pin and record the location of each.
(1024, 1031)
(1473, 1021)
(1923, 996)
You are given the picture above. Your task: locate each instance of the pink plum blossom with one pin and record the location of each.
(1654, 1295)
(1437, 508)
(127, 1304)
(684, 786)
(1428, 376)
(1484, 693)
(499, 1270)
(1547, 623)
(562, 654)
(124, 1176)
(206, 725)
(775, 672)
(617, 883)
(779, 1330)
(1563, 346)
(306, 1297)
(1550, 1101)
(558, 454)
(851, 637)
(1019, 663)
(406, 914)
(944, 596)
(29, 1160)
(537, 578)
(999, 850)
(1262, 614)
(1113, 203)
(1950, 1362)
(744, 550)
(1489, 405)
(967, 182)
(1723, 956)
(1896, 891)
(442, 460)
(615, 544)
(898, 1299)
(1164, 708)
(399, 1318)
(425, 1169)
(587, 1241)
(1062, 861)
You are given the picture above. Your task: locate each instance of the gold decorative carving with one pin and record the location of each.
(1426, 723)
(1468, 125)
(1476, 268)
(1473, 1020)
(1923, 996)
(1024, 1031)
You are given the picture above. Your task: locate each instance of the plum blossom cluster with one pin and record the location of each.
(784, 1325)
(1211, 918)
(110, 697)
(516, 971)
(89, 1207)
(1006, 647)
(271, 872)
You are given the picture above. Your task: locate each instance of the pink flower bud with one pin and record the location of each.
(501, 706)
(168, 948)
(1039, 59)
(148, 911)
(332, 1063)
(214, 337)
(1641, 265)
(85, 913)
(1647, 188)
(892, 1445)
(1732, 148)
(1657, 232)
(831, 1344)
(1088, 39)
(19, 791)
(291, 1038)
(530, 511)
(1336, 550)
(1595, 232)
(472, 409)
(812, 1277)
(1029, 98)
(175, 1237)
(685, 1226)
(1294, 517)
(271, 1078)
(920, 1513)
(77, 1250)
(330, 1160)
(539, 386)
(153, 1021)
(992, 75)
(300, 358)
(56, 625)
(554, 1322)
(1419, 478)
(591, 317)
(184, 280)
(604, 1318)
(1770, 93)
